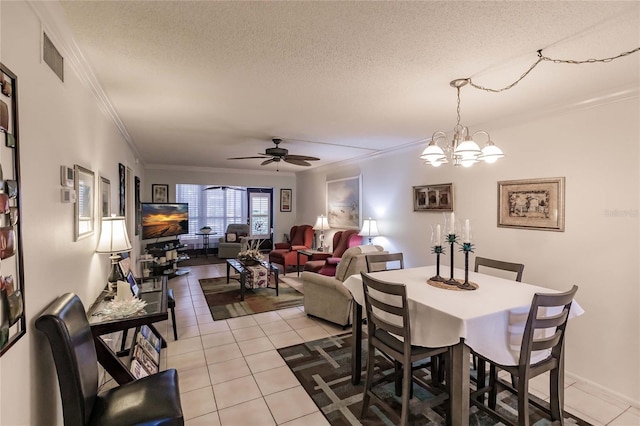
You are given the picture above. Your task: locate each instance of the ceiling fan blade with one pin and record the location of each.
(212, 187)
(224, 188)
(245, 158)
(301, 157)
(269, 161)
(296, 161)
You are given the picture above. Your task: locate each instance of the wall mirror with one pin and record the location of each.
(84, 207)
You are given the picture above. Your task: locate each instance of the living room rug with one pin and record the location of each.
(324, 370)
(224, 299)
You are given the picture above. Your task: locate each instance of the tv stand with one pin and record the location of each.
(170, 267)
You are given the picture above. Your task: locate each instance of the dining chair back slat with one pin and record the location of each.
(518, 268)
(384, 262)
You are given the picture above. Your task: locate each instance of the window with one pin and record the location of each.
(216, 208)
(259, 214)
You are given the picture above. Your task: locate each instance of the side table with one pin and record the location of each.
(308, 253)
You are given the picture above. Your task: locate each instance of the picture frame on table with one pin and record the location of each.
(122, 176)
(286, 198)
(532, 204)
(344, 202)
(84, 211)
(160, 193)
(433, 198)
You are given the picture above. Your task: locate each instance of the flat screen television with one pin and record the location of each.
(164, 220)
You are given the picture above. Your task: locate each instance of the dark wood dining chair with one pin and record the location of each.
(384, 261)
(483, 262)
(534, 339)
(518, 268)
(389, 331)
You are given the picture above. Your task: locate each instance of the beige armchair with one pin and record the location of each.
(325, 297)
(229, 250)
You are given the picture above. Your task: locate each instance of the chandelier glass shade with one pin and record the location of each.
(463, 150)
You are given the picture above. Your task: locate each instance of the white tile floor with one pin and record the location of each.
(232, 375)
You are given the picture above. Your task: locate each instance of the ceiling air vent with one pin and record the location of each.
(52, 57)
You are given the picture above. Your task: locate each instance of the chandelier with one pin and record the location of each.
(463, 150)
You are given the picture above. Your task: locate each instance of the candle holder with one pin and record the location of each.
(466, 248)
(438, 250)
(451, 239)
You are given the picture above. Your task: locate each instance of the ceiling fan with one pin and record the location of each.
(225, 187)
(277, 154)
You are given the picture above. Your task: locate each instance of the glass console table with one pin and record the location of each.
(153, 290)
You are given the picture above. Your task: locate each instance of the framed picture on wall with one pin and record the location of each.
(344, 202)
(286, 196)
(532, 204)
(105, 197)
(138, 205)
(433, 198)
(160, 193)
(122, 189)
(84, 205)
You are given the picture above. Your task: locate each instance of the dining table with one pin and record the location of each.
(489, 320)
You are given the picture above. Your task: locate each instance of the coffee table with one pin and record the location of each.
(241, 269)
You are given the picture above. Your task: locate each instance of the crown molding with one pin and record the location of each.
(178, 168)
(53, 21)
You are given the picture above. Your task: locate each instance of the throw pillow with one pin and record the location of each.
(231, 237)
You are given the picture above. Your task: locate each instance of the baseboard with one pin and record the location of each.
(599, 387)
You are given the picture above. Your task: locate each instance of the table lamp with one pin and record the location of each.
(321, 225)
(113, 239)
(369, 229)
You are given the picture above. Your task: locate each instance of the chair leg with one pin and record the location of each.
(368, 381)
(481, 376)
(523, 401)
(493, 385)
(407, 384)
(173, 320)
(397, 366)
(555, 388)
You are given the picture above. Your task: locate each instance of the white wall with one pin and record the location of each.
(171, 176)
(596, 149)
(60, 124)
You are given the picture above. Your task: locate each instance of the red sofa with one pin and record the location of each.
(326, 263)
(285, 254)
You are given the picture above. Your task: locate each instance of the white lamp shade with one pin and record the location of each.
(467, 149)
(369, 228)
(321, 223)
(113, 236)
(491, 153)
(432, 153)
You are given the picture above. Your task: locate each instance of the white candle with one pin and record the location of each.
(467, 239)
(452, 224)
(438, 236)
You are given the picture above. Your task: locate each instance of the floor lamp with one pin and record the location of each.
(113, 239)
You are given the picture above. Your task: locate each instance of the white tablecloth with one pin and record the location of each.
(490, 319)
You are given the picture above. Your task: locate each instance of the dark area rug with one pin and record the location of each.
(324, 370)
(224, 299)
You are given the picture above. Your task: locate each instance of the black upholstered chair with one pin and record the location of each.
(534, 339)
(389, 332)
(152, 400)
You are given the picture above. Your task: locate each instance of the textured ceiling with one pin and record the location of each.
(197, 82)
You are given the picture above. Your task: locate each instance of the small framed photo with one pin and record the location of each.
(532, 204)
(286, 196)
(160, 193)
(105, 197)
(433, 198)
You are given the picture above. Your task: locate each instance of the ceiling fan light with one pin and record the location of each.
(491, 153)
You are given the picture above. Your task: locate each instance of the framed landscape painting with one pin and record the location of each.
(532, 204)
(344, 203)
